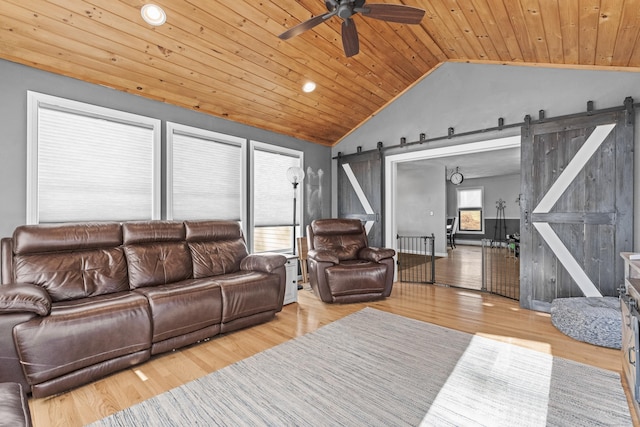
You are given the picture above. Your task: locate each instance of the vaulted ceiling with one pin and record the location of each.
(224, 57)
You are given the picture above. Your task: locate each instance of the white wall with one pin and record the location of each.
(421, 203)
(471, 97)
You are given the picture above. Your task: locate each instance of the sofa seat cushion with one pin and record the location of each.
(356, 277)
(246, 293)
(183, 307)
(82, 333)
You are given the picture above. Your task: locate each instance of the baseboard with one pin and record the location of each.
(474, 242)
(469, 242)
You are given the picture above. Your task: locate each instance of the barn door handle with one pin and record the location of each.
(526, 217)
(631, 349)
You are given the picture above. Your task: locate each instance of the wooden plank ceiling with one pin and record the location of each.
(224, 57)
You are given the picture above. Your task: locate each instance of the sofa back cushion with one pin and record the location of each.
(70, 261)
(343, 237)
(156, 253)
(217, 247)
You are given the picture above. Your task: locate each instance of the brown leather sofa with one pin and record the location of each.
(14, 406)
(80, 301)
(342, 267)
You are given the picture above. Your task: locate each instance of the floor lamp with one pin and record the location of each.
(295, 175)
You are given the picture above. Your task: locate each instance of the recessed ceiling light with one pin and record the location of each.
(309, 87)
(153, 15)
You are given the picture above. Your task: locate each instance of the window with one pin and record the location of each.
(88, 163)
(470, 210)
(205, 174)
(272, 196)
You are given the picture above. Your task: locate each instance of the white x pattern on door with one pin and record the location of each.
(576, 164)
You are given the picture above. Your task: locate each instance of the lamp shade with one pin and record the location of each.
(295, 175)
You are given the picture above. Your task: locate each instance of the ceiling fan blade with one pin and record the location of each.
(306, 25)
(350, 41)
(393, 13)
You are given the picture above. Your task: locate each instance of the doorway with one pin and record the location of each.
(462, 263)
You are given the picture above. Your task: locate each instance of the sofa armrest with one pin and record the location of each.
(263, 262)
(320, 255)
(376, 254)
(21, 297)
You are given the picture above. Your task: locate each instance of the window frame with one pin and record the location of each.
(215, 137)
(37, 100)
(468, 208)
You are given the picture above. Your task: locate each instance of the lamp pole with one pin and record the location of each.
(295, 175)
(295, 187)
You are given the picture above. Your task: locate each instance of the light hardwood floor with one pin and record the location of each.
(465, 310)
(462, 267)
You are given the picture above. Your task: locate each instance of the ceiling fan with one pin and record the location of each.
(345, 9)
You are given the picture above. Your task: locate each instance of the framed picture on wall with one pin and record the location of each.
(470, 219)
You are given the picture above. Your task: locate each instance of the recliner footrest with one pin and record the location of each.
(352, 278)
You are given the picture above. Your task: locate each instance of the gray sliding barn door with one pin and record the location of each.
(360, 192)
(576, 206)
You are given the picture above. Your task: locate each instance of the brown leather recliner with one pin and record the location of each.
(342, 267)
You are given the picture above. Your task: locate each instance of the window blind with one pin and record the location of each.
(93, 168)
(206, 178)
(469, 198)
(272, 192)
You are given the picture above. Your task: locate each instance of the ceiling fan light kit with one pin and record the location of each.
(345, 9)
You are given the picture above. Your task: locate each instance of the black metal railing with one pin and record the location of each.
(501, 268)
(416, 259)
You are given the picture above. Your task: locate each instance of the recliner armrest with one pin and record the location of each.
(263, 262)
(21, 297)
(376, 254)
(321, 255)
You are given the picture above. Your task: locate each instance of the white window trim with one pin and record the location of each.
(484, 216)
(253, 145)
(35, 100)
(213, 136)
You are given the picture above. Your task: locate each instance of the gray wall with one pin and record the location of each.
(470, 97)
(420, 191)
(505, 187)
(419, 207)
(17, 79)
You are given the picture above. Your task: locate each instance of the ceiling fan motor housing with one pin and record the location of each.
(345, 10)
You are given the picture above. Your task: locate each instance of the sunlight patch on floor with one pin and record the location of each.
(494, 383)
(532, 345)
(469, 294)
(141, 375)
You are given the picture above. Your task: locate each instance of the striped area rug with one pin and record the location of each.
(374, 368)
